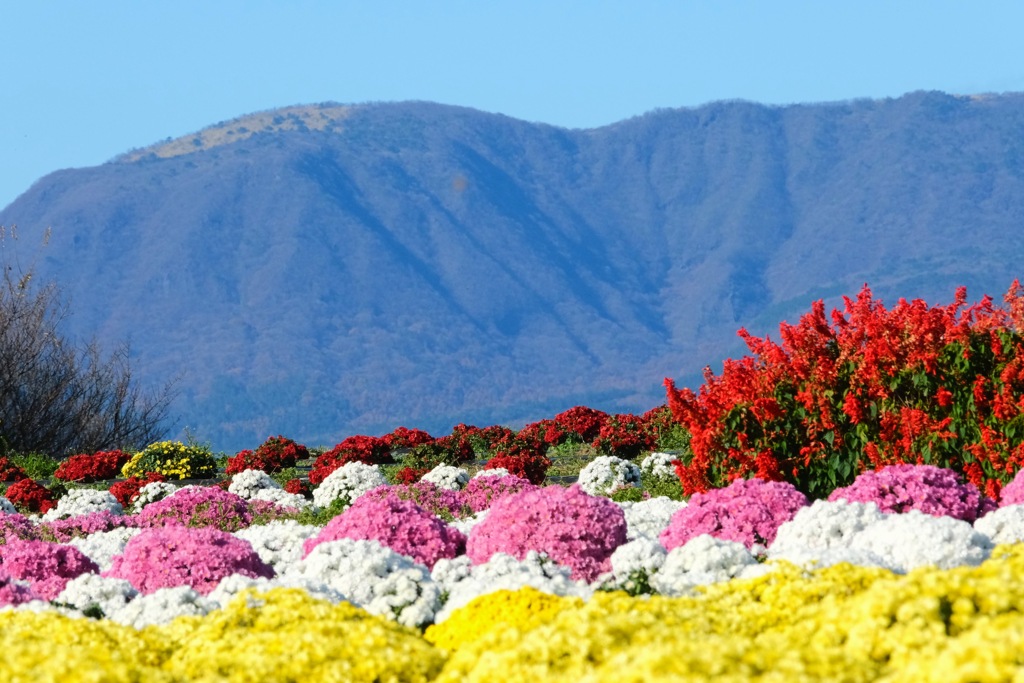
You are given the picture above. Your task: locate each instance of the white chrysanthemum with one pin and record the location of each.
(162, 607)
(102, 546)
(703, 560)
(152, 492)
(634, 564)
(7, 507)
(1005, 525)
(447, 477)
(376, 578)
(659, 464)
(92, 590)
(820, 534)
(78, 502)
(915, 539)
(347, 483)
(279, 543)
(232, 585)
(605, 473)
(248, 482)
(282, 498)
(494, 472)
(503, 571)
(649, 517)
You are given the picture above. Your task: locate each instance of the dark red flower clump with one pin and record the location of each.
(84, 468)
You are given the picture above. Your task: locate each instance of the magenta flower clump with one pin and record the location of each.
(198, 507)
(174, 555)
(747, 511)
(49, 566)
(574, 528)
(401, 525)
(435, 500)
(1013, 493)
(933, 490)
(482, 492)
(63, 530)
(16, 526)
(13, 593)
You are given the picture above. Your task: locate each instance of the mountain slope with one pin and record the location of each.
(325, 270)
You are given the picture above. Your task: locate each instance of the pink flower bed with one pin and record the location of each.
(198, 507)
(12, 593)
(49, 566)
(574, 528)
(434, 500)
(482, 492)
(747, 511)
(178, 556)
(16, 526)
(63, 530)
(933, 490)
(401, 525)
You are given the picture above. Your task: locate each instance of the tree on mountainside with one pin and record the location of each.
(57, 397)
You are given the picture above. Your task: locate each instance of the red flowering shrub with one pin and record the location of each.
(410, 475)
(365, 449)
(451, 450)
(481, 439)
(581, 423)
(548, 432)
(84, 468)
(9, 471)
(909, 385)
(299, 487)
(406, 438)
(273, 455)
(625, 436)
(29, 496)
(127, 491)
(533, 467)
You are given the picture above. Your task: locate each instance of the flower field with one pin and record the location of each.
(840, 507)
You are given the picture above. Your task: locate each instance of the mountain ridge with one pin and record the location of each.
(423, 264)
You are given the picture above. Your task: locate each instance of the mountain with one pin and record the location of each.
(325, 270)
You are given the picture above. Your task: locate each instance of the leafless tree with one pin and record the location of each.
(60, 398)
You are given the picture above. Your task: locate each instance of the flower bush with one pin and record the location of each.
(447, 477)
(402, 437)
(606, 473)
(29, 496)
(84, 468)
(482, 491)
(247, 483)
(49, 566)
(625, 436)
(15, 592)
(368, 450)
(873, 387)
(400, 525)
(78, 502)
(347, 483)
(170, 556)
(747, 511)
(442, 503)
(127, 490)
(63, 530)
(14, 526)
(574, 528)
(11, 471)
(194, 506)
(273, 455)
(172, 459)
(932, 490)
(530, 466)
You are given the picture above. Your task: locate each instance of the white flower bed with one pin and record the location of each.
(447, 477)
(605, 473)
(78, 502)
(152, 492)
(248, 483)
(347, 483)
(659, 464)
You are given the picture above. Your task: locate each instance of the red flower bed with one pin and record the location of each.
(871, 387)
(625, 436)
(29, 496)
(273, 455)
(84, 468)
(9, 471)
(406, 438)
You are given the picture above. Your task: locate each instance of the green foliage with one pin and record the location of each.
(36, 465)
(321, 516)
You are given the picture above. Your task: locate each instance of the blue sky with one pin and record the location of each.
(84, 81)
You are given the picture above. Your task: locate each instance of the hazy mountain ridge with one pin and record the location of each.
(421, 264)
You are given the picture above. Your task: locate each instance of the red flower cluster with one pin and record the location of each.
(84, 468)
(29, 496)
(533, 467)
(273, 455)
(581, 424)
(625, 436)
(299, 487)
(410, 475)
(9, 471)
(406, 438)
(366, 449)
(875, 386)
(128, 490)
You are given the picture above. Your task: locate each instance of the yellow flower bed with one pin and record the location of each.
(842, 623)
(172, 459)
